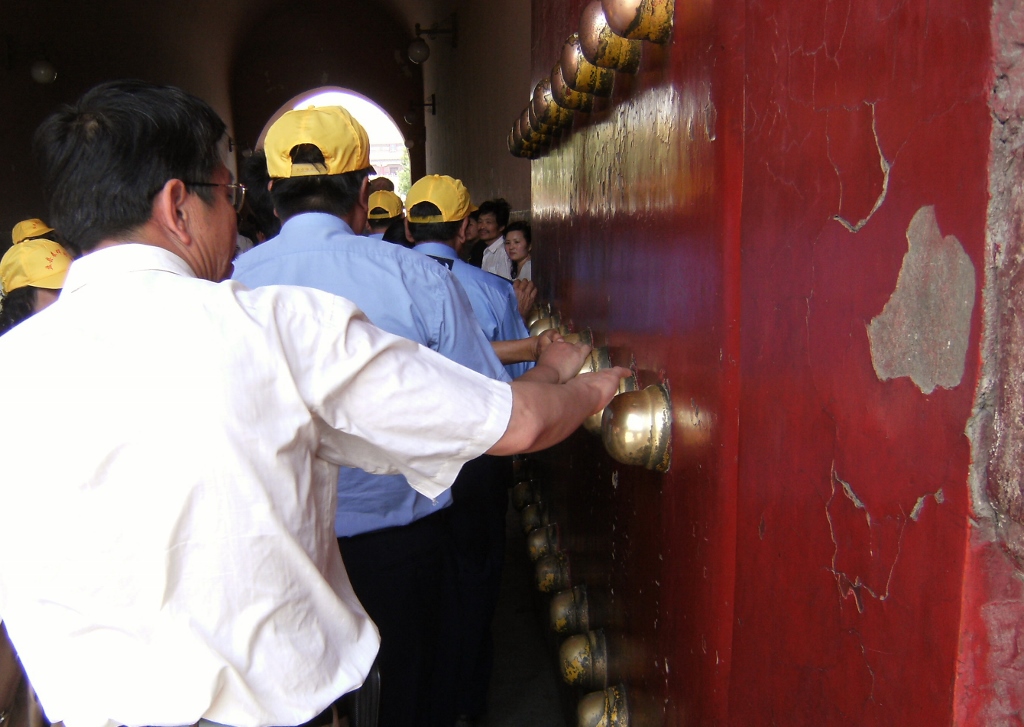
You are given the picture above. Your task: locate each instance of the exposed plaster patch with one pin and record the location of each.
(886, 166)
(924, 328)
(938, 496)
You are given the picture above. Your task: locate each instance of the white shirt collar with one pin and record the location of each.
(129, 257)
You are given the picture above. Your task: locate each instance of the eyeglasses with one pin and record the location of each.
(237, 192)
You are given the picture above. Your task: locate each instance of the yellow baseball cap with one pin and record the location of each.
(447, 194)
(39, 263)
(390, 202)
(29, 228)
(338, 136)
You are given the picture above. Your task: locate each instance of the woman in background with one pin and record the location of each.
(517, 246)
(32, 273)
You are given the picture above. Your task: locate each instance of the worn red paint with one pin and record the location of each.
(804, 560)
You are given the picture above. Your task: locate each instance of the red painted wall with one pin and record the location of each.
(735, 218)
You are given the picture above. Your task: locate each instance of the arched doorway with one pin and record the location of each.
(389, 154)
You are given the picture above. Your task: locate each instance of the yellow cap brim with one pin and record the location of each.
(54, 281)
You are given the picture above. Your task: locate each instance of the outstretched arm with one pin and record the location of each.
(525, 349)
(545, 414)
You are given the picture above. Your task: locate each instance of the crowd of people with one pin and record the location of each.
(244, 477)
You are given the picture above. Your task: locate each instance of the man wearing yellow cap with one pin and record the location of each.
(168, 555)
(438, 214)
(385, 209)
(391, 537)
(32, 272)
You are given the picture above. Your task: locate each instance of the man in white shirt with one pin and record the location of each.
(169, 479)
(494, 214)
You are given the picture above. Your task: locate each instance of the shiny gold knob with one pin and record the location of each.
(570, 611)
(598, 360)
(566, 97)
(584, 660)
(585, 336)
(544, 324)
(593, 422)
(531, 134)
(552, 573)
(546, 111)
(608, 708)
(526, 146)
(542, 541)
(602, 47)
(540, 310)
(524, 493)
(580, 74)
(534, 516)
(637, 428)
(520, 468)
(641, 19)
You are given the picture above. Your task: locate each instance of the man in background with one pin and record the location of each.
(494, 214)
(385, 209)
(391, 537)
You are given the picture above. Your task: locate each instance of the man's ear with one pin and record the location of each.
(460, 236)
(364, 194)
(356, 218)
(170, 210)
(408, 233)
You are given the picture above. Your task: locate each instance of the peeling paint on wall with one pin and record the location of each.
(924, 329)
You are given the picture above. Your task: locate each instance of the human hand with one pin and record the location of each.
(565, 358)
(544, 340)
(603, 385)
(526, 295)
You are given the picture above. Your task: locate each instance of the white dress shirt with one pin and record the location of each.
(170, 449)
(496, 260)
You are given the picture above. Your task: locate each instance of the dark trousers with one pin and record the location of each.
(476, 541)
(399, 576)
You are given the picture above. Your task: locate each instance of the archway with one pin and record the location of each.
(389, 154)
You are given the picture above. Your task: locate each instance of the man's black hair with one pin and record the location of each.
(104, 158)
(257, 221)
(431, 231)
(500, 209)
(382, 223)
(396, 233)
(16, 306)
(335, 194)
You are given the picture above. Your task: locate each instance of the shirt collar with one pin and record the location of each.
(437, 249)
(128, 257)
(493, 247)
(315, 222)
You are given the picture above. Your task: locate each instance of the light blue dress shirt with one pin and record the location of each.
(401, 292)
(493, 298)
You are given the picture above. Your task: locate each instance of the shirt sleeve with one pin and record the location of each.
(513, 328)
(388, 405)
(460, 337)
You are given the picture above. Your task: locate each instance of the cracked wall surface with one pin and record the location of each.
(867, 129)
(815, 542)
